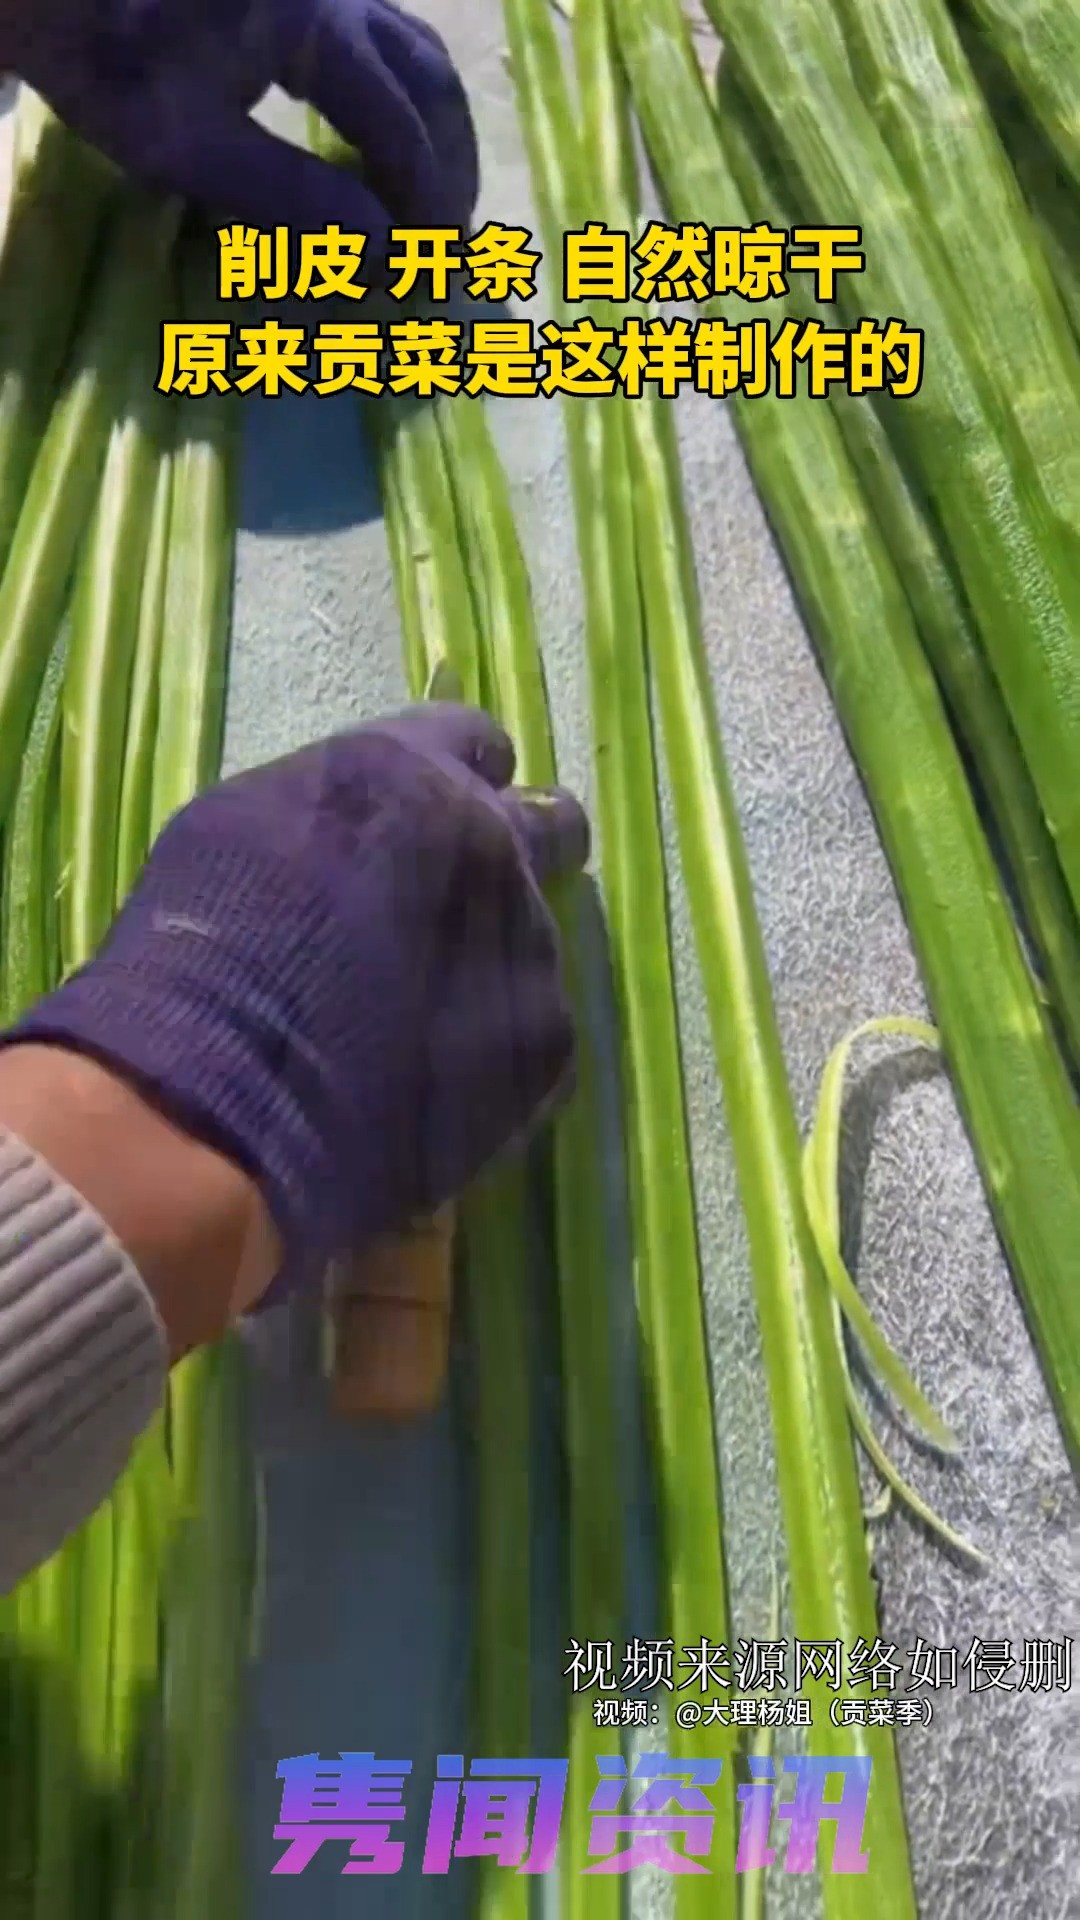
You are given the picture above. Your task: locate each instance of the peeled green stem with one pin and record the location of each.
(105, 619)
(60, 497)
(30, 958)
(46, 1794)
(937, 602)
(596, 1598)
(1039, 40)
(915, 79)
(436, 591)
(494, 1228)
(208, 1580)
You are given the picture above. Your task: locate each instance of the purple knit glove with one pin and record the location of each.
(339, 970)
(164, 88)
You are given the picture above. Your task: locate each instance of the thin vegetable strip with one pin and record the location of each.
(1039, 40)
(830, 1577)
(668, 1278)
(596, 1536)
(59, 194)
(1050, 193)
(918, 86)
(104, 632)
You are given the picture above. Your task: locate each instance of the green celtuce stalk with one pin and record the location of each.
(136, 774)
(434, 588)
(1050, 193)
(1008, 511)
(210, 1571)
(208, 1587)
(918, 86)
(597, 1550)
(197, 611)
(821, 1185)
(60, 496)
(58, 200)
(105, 619)
(1020, 1108)
(495, 1233)
(64, 1609)
(937, 601)
(440, 624)
(830, 1576)
(632, 860)
(1039, 41)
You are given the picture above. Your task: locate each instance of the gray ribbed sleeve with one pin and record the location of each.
(83, 1360)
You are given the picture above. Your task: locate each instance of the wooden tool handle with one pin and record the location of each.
(389, 1311)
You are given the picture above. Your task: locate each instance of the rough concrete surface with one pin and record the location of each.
(366, 1641)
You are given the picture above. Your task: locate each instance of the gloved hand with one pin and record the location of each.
(164, 88)
(339, 970)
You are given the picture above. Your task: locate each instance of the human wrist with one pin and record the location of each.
(193, 1223)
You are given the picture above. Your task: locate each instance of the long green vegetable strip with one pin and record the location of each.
(435, 576)
(597, 1557)
(125, 1544)
(104, 630)
(941, 613)
(1039, 40)
(665, 1238)
(136, 773)
(198, 600)
(821, 1185)
(143, 1500)
(1020, 1109)
(208, 1583)
(497, 1231)
(1050, 193)
(917, 84)
(72, 1599)
(444, 619)
(63, 486)
(494, 1226)
(58, 200)
(1014, 543)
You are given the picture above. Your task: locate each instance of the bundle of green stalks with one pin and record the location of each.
(933, 543)
(123, 1657)
(465, 598)
(993, 433)
(649, 580)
